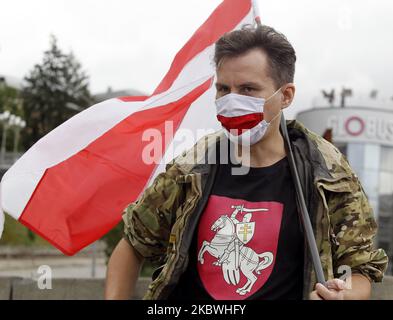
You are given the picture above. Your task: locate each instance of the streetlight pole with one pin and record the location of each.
(9, 120)
(5, 117)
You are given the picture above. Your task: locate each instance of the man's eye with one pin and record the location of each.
(222, 89)
(248, 89)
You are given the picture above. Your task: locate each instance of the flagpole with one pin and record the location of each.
(310, 237)
(255, 7)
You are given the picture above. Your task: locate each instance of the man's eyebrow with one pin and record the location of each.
(242, 85)
(251, 84)
(218, 84)
(245, 84)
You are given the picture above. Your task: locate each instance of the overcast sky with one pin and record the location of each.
(130, 44)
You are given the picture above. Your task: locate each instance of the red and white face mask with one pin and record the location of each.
(242, 117)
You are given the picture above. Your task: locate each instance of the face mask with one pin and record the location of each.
(242, 117)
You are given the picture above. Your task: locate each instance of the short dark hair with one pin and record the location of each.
(281, 54)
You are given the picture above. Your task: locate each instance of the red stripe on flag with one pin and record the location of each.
(224, 18)
(133, 98)
(114, 175)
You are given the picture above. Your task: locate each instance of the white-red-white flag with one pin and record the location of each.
(72, 185)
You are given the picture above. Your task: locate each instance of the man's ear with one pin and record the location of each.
(288, 93)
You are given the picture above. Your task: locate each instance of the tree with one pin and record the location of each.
(10, 99)
(55, 90)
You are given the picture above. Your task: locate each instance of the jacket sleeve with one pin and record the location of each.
(148, 220)
(354, 229)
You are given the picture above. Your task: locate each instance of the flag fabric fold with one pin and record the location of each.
(72, 185)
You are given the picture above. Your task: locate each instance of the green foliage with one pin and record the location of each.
(55, 90)
(16, 233)
(10, 100)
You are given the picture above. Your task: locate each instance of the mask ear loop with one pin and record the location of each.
(278, 90)
(275, 117)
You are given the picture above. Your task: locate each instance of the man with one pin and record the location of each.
(186, 206)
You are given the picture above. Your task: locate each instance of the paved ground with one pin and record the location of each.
(61, 266)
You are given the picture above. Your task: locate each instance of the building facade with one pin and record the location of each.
(365, 136)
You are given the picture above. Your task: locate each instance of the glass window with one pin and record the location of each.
(355, 155)
(371, 156)
(387, 159)
(386, 183)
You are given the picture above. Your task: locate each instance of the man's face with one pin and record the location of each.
(248, 75)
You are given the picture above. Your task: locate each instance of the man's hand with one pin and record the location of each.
(334, 290)
(337, 289)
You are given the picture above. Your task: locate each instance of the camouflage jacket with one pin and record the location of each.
(161, 222)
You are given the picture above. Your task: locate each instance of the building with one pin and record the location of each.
(364, 133)
(109, 94)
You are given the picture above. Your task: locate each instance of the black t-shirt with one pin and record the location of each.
(248, 243)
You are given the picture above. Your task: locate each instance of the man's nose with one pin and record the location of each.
(234, 90)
